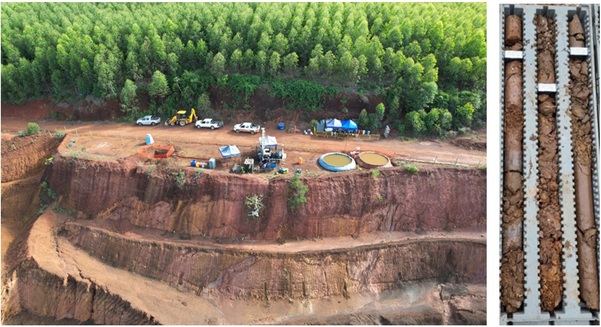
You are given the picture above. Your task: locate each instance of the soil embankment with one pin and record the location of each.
(57, 279)
(260, 274)
(212, 204)
(23, 164)
(25, 156)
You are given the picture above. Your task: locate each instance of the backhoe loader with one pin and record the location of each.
(182, 118)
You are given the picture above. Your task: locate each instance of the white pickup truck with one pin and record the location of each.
(247, 128)
(148, 120)
(209, 123)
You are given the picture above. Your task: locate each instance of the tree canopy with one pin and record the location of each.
(416, 55)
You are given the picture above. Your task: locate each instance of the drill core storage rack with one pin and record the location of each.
(549, 171)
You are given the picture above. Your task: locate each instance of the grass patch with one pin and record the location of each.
(59, 134)
(180, 178)
(81, 154)
(198, 173)
(297, 191)
(375, 173)
(411, 168)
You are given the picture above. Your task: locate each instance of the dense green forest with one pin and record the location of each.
(427, 61)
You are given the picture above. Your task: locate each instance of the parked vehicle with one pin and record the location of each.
(209, 123)
(148, 120)
(247, 128)
(182, 118)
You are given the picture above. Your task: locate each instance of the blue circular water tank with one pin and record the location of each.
(337, 161)
(281, 126)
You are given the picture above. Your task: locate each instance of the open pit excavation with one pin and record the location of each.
(232, 163)
(124, 240)
(549, 229)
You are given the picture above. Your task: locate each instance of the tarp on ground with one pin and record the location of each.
(268, 141)
(229, 151)
(333, 123)
(349, 125)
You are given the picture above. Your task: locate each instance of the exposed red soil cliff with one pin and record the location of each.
(212, 204)
(24, 156)
(23, 163)
(49, 277)
(272, 275)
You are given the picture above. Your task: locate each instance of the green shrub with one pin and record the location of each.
(65, 211)
(415, 122)
(380, 111)
(464, 115)
(411, 168)
(363, 120)
(46, 188)
(33, 128)
(149, 171)
(297, 191)
(198, 173)
(180, 178)
(308, 95)
(375, 173)
(59, 134)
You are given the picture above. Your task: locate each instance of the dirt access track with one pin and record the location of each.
(124, 244)
(115, 139)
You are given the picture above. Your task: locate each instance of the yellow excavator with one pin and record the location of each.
(182, 118)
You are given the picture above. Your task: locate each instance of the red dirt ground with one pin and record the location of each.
(117, 139)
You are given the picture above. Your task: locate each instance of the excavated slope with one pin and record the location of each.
(98, 270)
(49, 277)
(24, 156)
(23, 167)
(212, 204)
(279, 275)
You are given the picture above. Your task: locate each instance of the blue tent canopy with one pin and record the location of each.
(333, 123)
(349, 125)
(229, 151)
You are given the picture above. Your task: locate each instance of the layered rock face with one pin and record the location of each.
(48, 295)
(263, 275)
(85, 274)
(24, 156)
(23, 161)
(213, 204)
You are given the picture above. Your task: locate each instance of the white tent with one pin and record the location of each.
(333, 123)
(268, 141)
